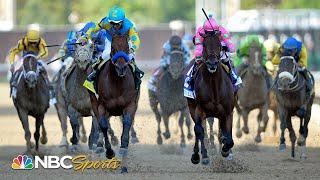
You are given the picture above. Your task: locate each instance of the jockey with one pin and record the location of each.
(31, 43)
(227, 47)
(117, 23)
(241, 61)
(271, 47)
(299, 51)
(175, 43)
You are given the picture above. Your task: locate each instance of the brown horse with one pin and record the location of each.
(214, 97)
(291, 95)
(117, 95)
(32, 99)
(255, 93)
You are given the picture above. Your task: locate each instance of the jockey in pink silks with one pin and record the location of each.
(227, 49)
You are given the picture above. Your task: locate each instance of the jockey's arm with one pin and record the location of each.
(43, 50)
(276, 59)
(165, 56)
(95, 29)
(186, 53)
(14, 51)
(303, 61)
(134, 37)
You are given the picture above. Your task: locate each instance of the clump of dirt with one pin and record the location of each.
(223, 165)
(171, 149)
(252, 147)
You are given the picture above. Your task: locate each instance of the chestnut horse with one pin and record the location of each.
(117, 95)
(214, 97)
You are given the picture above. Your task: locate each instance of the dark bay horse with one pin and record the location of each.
(255, 93)
(169, 96)
(214, 97)
(32, 99)
(117, 95)
(291, 95)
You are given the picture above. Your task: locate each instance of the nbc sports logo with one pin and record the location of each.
(22, 162)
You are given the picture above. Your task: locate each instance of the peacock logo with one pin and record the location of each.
(22, 162)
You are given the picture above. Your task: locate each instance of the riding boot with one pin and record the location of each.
(309, 86)
(236, 80)
(138, 74)
(92, 76)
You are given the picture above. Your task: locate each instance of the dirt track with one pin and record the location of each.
(150, 161)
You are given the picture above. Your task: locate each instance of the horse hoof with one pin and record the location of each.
(225, 153)
(32, 145)
(134, 140)
(110, 153)
(99, 150)
(245, 130)
(282, 147)
(239, 133)
(303, 156)
(205, 161)
(74, 148)
(301, 141)
(114, 141)
(159, 140)
(166, 135)
(63, 142)
(182, 144)
(43, 139)
(124, 170)
(257, 139)
(195, 158)
(230, 157)
(84, 139)
(189, 136)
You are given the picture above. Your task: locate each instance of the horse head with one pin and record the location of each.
(83, 53)
(176, 64)
(211, 50)
(287, 72)
(255, 58)
(119, 53)
(30, 70)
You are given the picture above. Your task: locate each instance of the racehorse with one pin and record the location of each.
(291, 95)
(214, 97)
(32, 98)
(117, 95)
(169, 95)
(76, 97)
(255, 93)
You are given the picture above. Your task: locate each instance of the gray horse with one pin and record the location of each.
(255, 93)
(76, 97)
(169, 95)
(62, 111)
(291, 95)
(31, 98)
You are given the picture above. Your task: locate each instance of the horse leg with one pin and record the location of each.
(226, 139)
(39, 122)
(114, 139)
(83, 135)
(134, 138)
(212, 133)
(276, 117)
(245, 115)
(238, 125)
(103, 123)
(73, 116)
(23, 116)
(181, 119)
(305, 132)
(264, 117)
(292, 135)
(62, 115)
(127, 119)
(188, 123)
(166, 124)
(200, 134)
(283, 126)
(43, 138)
